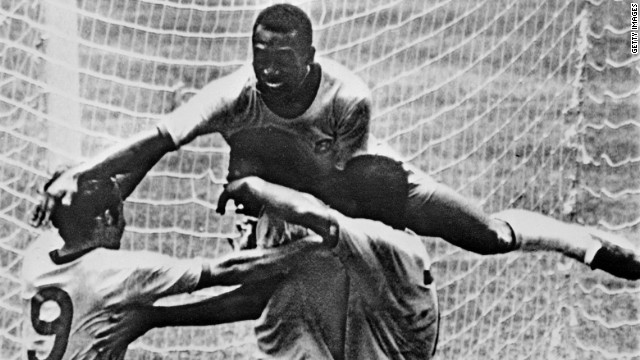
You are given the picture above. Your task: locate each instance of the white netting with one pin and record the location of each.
(502, 100)
(605, 313)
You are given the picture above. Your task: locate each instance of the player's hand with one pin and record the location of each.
(244, 192)
(125, 326)
(63, 185)
(39, 214)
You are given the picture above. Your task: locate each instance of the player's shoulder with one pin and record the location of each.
(373, 229)
(350, 84)
(101, 258)
(45, 242)
(381, 234)
(241, 74)
(374, 239)
(37, 253)
(231, 84)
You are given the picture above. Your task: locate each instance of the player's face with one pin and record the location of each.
(280, 61)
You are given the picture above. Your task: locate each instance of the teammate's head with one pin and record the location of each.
(286, 19)
(95, 218)
(378, 187)
(282, 48)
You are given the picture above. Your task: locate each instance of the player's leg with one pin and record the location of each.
(599, 249)
(434, 209)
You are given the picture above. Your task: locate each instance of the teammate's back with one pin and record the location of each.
(74, 279)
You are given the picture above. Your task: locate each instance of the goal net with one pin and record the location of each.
(528, 104)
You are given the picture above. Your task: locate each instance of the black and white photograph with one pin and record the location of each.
(319, 179)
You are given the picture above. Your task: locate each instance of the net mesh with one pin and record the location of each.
(530, 104)
(604, 313)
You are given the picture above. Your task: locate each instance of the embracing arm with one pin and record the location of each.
(290, 205)
(202, 114)
(245, 303)
(255, 265)
(136, 155)
(144, 149)
(128, 162)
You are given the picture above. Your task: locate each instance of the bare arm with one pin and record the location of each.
(136, 155)
(256, 265)
(129, 162)
(288, 204)
(245, 303)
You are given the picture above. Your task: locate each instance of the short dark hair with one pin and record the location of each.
(379, 186)
(93, 198)
(285, 18)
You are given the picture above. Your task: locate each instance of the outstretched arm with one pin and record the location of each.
(596, 248)
(138, 154)
(204, 113)
(245, 303)
(130, 160)
(255, 265)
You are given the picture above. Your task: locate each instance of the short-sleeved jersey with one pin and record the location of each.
(80, 293)
(326, 135)
(369, 288)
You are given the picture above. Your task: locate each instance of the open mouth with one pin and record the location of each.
(274, 84)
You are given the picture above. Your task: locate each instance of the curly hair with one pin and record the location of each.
(93, 198)
(379, 186)
(286, 18)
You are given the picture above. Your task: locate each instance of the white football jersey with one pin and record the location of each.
(364, 299)
(68, 300)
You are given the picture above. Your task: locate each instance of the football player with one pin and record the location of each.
(76, 280)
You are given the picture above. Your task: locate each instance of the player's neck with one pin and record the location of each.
(63, 256)
(295, 103)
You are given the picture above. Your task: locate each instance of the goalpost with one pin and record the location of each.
(516, 103)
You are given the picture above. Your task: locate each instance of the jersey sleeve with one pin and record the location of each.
(142, 277)
(212, 109)
(352, 110)
(386, 255)
(353, 131)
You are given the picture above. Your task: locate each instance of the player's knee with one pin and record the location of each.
(497, 238)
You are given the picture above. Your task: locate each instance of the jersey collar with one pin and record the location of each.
(64, 259)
